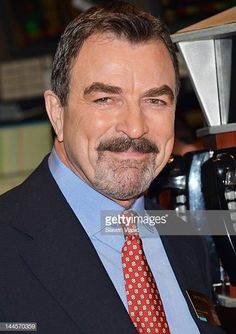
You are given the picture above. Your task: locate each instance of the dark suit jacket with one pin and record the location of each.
(51, 274)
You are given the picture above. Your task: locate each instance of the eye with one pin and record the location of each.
(156, 101)
(103, 100)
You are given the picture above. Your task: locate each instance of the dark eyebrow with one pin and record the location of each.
(158, 91)
(103, 88)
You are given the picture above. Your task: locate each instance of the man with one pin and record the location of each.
(114, 88)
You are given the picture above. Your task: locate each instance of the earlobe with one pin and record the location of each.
(55, 112)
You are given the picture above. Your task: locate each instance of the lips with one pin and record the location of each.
(129, 154)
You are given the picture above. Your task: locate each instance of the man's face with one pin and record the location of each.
(117, 128)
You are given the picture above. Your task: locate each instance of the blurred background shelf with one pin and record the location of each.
(22, 147)
(10, 181)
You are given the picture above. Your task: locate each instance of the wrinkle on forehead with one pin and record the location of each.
(105, 58)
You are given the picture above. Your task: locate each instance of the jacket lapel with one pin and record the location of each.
(63, 259)
(177, 262)
(180, 256)
(188, 273)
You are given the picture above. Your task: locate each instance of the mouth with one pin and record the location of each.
(129, 154)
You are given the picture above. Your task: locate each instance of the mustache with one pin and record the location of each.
(142, 145)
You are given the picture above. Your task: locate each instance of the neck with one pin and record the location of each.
(125, 203)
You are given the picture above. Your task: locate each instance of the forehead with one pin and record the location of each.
(106, 58)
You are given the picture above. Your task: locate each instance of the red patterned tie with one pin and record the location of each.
(144, 301)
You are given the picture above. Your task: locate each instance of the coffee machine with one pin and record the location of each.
(208, 49)
(206, 179)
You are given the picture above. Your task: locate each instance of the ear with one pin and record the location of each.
(55, 112)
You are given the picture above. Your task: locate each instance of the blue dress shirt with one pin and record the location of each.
(87, 205)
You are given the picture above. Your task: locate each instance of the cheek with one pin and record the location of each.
(85, 133)
(162, 130)
(162, 133)
(75, 137)
(168, 139)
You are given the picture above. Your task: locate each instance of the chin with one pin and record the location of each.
(126, 189)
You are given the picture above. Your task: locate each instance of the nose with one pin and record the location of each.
(132, 122)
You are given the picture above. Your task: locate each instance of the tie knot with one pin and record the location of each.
(129, 223)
